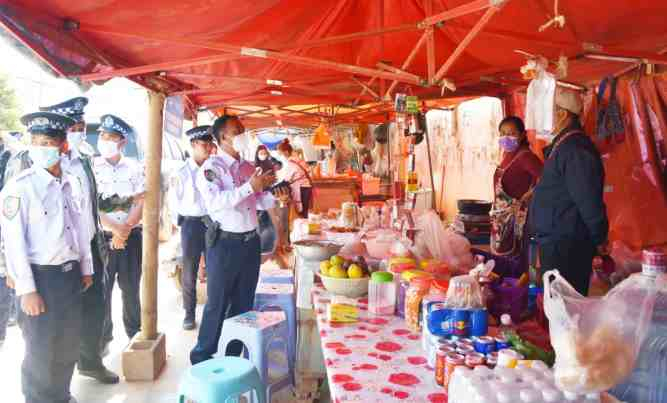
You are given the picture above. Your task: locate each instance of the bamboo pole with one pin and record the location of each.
(151, 218)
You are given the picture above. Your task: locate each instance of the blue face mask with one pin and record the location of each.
(44, 157)
(509, 143)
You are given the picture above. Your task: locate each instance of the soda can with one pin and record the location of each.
(467, 340)
(479, 322)
(492, 360)
(502, 343)
(451, 362)
(485, 344)
(474, 359)
(465, 349)
(440, 356)
(442, 342)
(464, 342)
(460, 322)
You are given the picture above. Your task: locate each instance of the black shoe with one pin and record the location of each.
(189, 324)
(101, 375)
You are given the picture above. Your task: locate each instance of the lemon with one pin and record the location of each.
(355, 271)
(324, 267)
(337, 271)
(337, 260)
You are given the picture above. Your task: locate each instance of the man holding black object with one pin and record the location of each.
(188, 210)
(232, 190)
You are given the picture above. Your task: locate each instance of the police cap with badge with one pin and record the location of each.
(200, 133)
(47, 123)
(114, 124)
(72, 108)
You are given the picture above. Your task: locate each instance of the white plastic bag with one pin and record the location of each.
(596, 340)
(437, 242)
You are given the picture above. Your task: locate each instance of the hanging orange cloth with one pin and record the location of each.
(321, 136)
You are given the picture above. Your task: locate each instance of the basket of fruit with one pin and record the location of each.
(348, 278)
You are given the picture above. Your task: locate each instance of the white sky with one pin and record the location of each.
(34, 87)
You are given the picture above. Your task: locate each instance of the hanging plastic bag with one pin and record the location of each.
(596, 340)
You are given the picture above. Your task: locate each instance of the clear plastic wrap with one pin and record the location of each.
(437, 242)
(464, 292)
(596, 340)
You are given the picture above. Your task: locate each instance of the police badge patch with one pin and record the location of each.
(10, 206)
(210, 175)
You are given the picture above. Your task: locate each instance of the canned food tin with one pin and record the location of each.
(479, 322)
(502, 343)
(451, 362)
(508, 358)
(465, 342)
(446, 342)
(492, 360)
(465, 349)
(473, 360)
(485, 345)
(440, 356)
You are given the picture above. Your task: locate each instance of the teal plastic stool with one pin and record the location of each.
(221, 380)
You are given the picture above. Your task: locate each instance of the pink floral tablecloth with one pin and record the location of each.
(375, 360)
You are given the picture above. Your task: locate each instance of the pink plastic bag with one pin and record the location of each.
(596, 340)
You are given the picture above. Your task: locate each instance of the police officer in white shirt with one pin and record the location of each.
(121, 187)
(188, 211)
(95, 309)
(232, 191)
(48, 256)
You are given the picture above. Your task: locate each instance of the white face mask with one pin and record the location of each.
(108, 149)
(262, 157)
(74, 139)
(44, 157)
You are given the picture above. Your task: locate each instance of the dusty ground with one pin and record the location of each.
(163, 390)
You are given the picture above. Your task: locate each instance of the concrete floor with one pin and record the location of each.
(163, 390)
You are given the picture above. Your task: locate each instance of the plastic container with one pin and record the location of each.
(382, 294)
(418, 289)
(529, 396)
(403, 285)
(552, 395)
(648, 381)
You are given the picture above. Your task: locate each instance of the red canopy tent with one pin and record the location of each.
(277, 53)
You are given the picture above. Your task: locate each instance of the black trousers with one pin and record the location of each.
(7, 306)
(94, 317)
(306, 198)
(572, 258)
(52, 338)
(125, 266)
(193, 244)
(231, 281)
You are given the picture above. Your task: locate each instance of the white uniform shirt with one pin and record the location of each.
(73, 165)
(227, 194)
(125, 179)
(40, 221)
(184, 197)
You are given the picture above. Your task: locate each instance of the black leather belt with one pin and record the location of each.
(135, 230)
(183, 218)
(238, 236)
(65, 267)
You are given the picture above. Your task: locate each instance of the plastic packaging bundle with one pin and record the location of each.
(596, 340)
(464, 293)
(434, 241)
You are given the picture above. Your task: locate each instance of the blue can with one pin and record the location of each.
(485, 345)
(460, 322)
(479, 322)
(502, 343)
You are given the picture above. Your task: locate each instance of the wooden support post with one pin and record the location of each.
(151, 218)
(408, 62)
(465, 42)
(430, 42)
(146, 355)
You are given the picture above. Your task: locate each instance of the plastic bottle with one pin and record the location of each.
(529, 396)
(506, 326)
(592, 398)
(505, 396)
(648, 381)
(572, 397)
(551, 395)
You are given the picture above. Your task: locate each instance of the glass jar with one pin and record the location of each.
(382, 294)
(418, 289)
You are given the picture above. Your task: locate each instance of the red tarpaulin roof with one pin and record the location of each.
(223, 52)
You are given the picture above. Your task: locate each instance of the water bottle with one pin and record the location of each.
(648, 381)
(506, 325)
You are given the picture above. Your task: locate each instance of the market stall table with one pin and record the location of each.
(375, 360)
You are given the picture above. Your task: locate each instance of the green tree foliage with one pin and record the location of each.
(9, 108)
